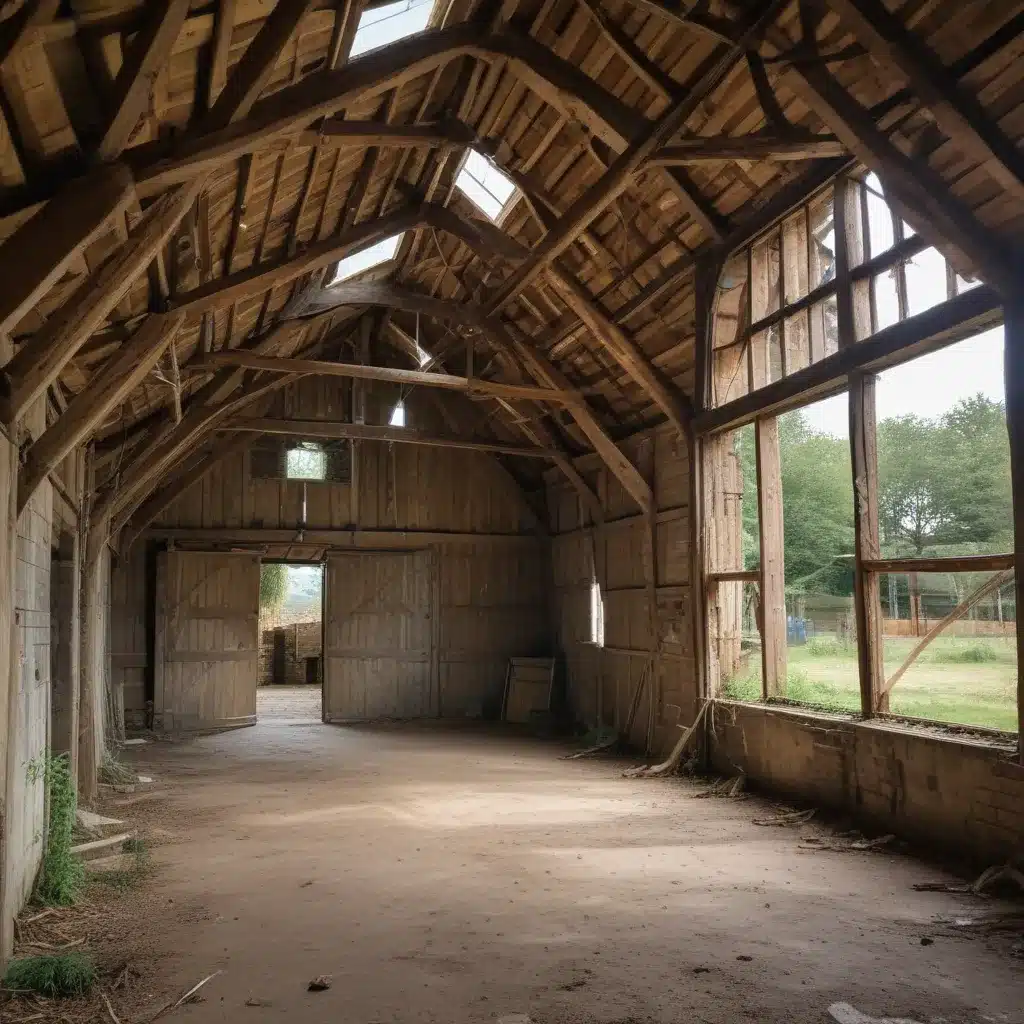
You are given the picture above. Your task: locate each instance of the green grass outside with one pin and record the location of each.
(961, 680)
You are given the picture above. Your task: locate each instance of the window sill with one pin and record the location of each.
(975, 737)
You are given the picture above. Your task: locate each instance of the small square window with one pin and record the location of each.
(306, 462)
(384, 25)
(372, 256)
(485, 186)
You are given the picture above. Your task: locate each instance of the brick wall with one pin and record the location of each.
(947, 793)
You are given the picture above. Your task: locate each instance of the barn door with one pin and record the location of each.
(377, 636)
(207, 627)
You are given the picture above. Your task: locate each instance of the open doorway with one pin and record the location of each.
(291, 642)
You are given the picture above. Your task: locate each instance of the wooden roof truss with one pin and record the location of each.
(178, 179)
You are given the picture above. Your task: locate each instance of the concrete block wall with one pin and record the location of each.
(945, 792)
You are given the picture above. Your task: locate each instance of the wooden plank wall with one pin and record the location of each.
(602, 680)
(492, 596)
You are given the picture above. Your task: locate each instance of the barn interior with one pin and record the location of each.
(644, 372)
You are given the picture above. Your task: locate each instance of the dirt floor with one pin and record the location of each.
(447, 875)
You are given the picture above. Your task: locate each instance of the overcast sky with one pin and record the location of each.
(927, 386)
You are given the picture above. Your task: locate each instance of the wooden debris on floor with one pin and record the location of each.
(846, 842)
(787, 819)
(732, 788)
(670, 766)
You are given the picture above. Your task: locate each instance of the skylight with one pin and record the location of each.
(383, 25)
(485, 186)
(371, 256)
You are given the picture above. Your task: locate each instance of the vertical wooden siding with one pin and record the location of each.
(207, 624)
(602, 681)
(491, 600)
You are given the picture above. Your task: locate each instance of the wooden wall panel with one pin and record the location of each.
(491, 598)
(129, 639)
(603, 680)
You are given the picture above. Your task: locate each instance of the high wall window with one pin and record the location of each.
(858, 549)
(776, 306)
(485, 186)
(365, 259)
(383, 25)
(306, 461)
(274, 458)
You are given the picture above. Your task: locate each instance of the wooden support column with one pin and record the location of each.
(773, 574)
(867, 607)
(92, 680)
(1014, 375)
(66, 591)
(359, 417)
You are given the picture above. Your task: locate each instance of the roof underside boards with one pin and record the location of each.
(557, 93)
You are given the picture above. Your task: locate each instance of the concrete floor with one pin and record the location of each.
(444, 875)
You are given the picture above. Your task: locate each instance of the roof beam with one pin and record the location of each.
(108, 387)
(39, 252)
(628, 354)
(911, 182)
(410, 378)
(41, 358)
(368, 432)
(443, 135)
(759, 146)
(957, 112)
(256, 68)
(294, 107)
(146, 57)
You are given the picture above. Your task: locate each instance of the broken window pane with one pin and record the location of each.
(964, 671)
(881, 232)
(926, 281)
(943, 453)
(817, 521)
(734, 642)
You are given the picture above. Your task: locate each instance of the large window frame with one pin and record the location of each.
(862, 349)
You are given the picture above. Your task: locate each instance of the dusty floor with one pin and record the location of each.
(444, 875)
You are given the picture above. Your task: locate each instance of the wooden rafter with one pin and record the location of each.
(41, 250)
(368, 432)
(108, 387)
(256, 67)
(145, 59)
(411, 378)
(38, 362)
(909, 180)
(759, 146)
(957, 112)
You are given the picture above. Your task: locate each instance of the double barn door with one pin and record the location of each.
(378, 638)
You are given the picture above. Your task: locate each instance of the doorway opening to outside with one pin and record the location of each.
(290, 685)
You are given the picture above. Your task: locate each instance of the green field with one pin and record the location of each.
(961, 680)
